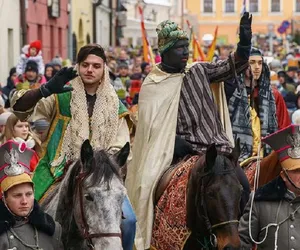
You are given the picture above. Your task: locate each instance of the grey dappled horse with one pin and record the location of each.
(88, 201)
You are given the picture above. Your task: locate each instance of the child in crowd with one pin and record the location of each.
(31, 52)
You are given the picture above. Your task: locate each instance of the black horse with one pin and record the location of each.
(213, 202)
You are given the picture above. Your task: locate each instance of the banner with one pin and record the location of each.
(147, 50)
(212, 48)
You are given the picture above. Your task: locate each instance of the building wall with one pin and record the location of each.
(103, 24)
(155, 11)
(228, 23)
(53, 32)
(10, 37)
(82, 22)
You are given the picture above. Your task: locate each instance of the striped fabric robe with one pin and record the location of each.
(198, 120)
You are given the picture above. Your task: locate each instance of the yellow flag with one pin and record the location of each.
(211, 51)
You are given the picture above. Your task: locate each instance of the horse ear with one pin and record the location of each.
(236, 151)
(122, 155)
(86, 153)
(210, 157)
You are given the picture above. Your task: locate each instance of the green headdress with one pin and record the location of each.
(168, 34)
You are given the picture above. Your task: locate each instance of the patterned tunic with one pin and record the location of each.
(198, 119)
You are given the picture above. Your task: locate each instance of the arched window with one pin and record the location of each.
(88, 39)
(74, 54)
(80, 35)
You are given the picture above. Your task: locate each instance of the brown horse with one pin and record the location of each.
(199, 207)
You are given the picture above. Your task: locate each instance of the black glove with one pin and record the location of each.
(244, 46)
(245, 29)
(182, 148)
(57, 83)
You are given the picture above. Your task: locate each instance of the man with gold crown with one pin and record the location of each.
(23, 225)
(176, 101)
(87, 108)
(271, 218)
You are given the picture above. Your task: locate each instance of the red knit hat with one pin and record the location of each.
(36, 44)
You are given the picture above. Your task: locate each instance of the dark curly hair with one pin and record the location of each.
(90, 49)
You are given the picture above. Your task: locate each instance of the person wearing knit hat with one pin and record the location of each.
(34, 48)
(176, 99)
(284, 87)
(31, 52)
(57, 63)
(275, 65)
(10, 85)
(23, 225)
(256, 109)
(292, 68)
(273, 212)
(31, 78)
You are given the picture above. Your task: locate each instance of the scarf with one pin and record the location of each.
(239, 109)
(101, 128)
(30, 143)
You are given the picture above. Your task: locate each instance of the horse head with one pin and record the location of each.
(213, 199)
(93, 195)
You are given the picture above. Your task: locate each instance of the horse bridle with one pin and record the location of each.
(84, 226)
(209, 226)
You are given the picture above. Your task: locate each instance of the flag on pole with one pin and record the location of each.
(147, 50)
(197, 52)
(212, 48)
(243, 10)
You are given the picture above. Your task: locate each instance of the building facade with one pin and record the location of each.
(82, 24)
(48, 21)
(10, 37)
(103, 15)
(267, 16)
(155, 11)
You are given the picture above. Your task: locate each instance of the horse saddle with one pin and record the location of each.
(164, 181)
(165, 178)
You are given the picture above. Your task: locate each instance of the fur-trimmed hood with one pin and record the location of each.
(42, 221)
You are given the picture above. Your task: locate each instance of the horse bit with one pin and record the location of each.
(212, 237)
(84, 226)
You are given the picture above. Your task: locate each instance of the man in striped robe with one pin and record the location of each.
(176, 99)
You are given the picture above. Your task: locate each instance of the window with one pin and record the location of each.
(208, 6)
(253, 6)
(297, 5)
(10, 47)
(229, 6)
(54, 8)
(275, 5)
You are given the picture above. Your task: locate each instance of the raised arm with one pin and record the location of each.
(23, 102)
(238, 61)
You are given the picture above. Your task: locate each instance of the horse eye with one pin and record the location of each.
(88, 197)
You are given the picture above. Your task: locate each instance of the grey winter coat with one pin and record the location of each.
(11, 228)
(273, 203)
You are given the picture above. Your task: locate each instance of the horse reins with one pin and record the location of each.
(84, 226)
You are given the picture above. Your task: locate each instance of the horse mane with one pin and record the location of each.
(102, 168)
